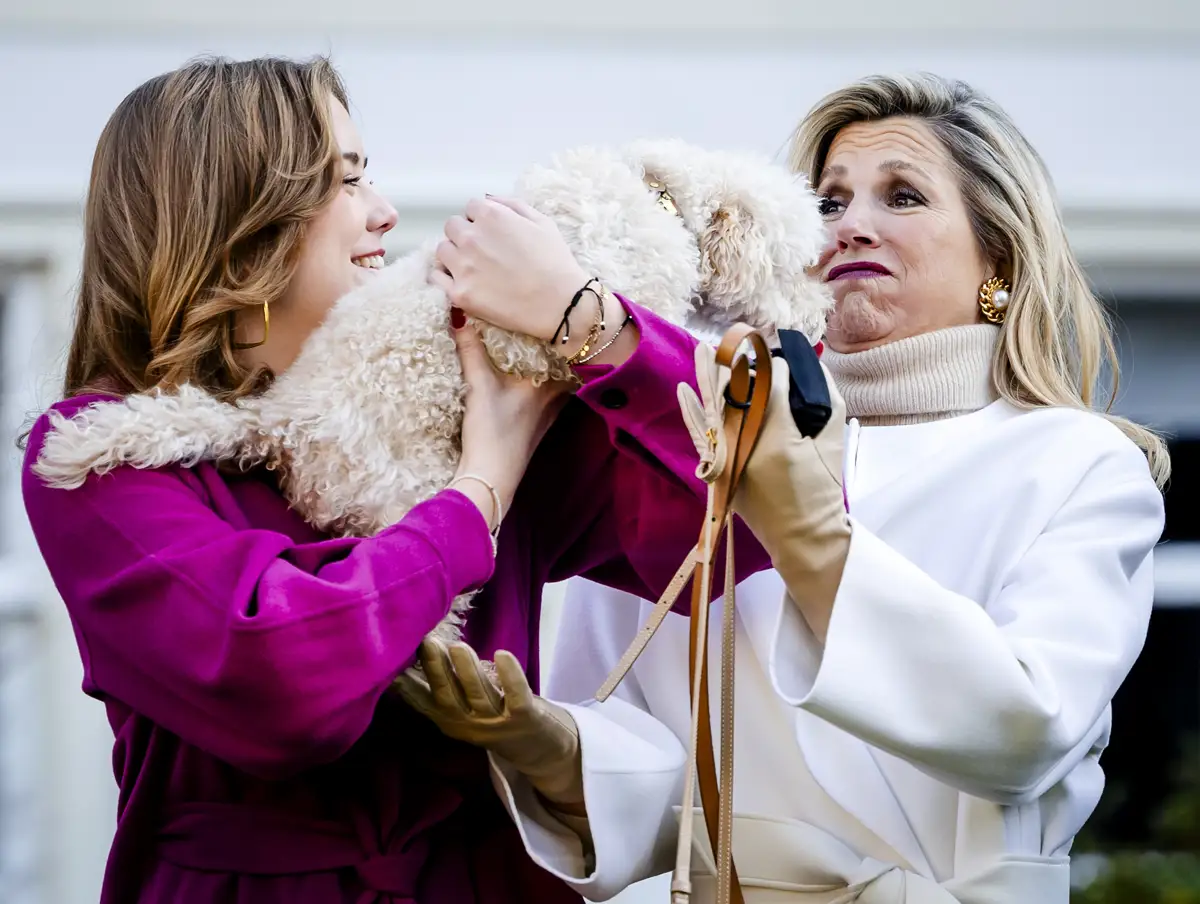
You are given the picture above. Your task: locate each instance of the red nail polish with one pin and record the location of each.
(457, 318)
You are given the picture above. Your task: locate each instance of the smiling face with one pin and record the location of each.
(342, 249)
(901, 257)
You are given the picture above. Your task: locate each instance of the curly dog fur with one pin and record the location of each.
(365, 424)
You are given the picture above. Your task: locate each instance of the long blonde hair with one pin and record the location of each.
(1057, 334)
(202, 184)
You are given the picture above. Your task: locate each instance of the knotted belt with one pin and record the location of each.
(794, 861)
(746, 400)
(234, 838)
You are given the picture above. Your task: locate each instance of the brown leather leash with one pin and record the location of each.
(745, 409)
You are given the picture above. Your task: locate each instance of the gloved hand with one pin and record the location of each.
(537, 737)
(704, 416)
(790, 494)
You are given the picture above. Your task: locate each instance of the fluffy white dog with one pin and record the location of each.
(366, 423)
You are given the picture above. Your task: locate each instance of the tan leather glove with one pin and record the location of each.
(537, 737)
(704, 416)
(790, 493)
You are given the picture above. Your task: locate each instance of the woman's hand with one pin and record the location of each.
(537, 737)
(505, 419)
(506, 263)
(790, 494)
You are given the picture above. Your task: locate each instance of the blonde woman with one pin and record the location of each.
(921, 714)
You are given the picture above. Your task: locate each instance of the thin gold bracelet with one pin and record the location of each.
(611, 340)
(494, 532)
(598, 327)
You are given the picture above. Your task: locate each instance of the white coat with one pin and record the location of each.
(943, 745)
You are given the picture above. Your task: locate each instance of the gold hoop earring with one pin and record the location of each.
(242, 346)
(993, 299)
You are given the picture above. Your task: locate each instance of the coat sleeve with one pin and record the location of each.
(630, 522)
(632, 763)
(267, 654)
(999, 700)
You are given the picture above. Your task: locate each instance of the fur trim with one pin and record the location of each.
(145, 431)
(365, 424)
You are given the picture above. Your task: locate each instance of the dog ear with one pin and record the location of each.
(735, 258)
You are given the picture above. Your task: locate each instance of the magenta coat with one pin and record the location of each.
(244, 660)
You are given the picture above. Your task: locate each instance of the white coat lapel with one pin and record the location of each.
(844, 767)
(839, 762)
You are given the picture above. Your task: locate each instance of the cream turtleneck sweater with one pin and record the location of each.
(924, 378)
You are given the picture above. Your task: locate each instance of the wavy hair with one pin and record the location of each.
(202, 184)
(1057, 335)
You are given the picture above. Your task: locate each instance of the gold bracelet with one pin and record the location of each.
(598, 327)
(611, 340)
(494, 532)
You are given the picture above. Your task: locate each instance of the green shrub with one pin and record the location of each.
(1171, 873)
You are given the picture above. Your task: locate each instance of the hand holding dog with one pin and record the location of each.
(505, 418)
(508, 264)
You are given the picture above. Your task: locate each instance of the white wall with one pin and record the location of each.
(444, 120)
(1117, 128)
(992, 24)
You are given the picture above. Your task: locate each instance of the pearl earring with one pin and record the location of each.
(993, 299)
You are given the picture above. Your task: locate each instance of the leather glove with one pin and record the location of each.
(790, 494)
(537, 737)
(705, 415)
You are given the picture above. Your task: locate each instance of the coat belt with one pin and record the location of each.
(784, 860)
(239, 839)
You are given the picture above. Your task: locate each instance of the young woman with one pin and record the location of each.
(245, 661)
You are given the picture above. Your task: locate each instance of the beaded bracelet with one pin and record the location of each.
(564, 325)
(611, 340)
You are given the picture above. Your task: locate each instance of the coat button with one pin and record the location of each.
(613, 399)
